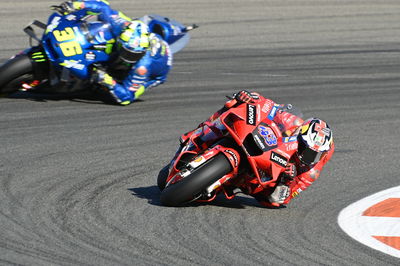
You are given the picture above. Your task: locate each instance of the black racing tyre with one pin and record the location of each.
(14, 72)
(163, 174)
(162, 177)
(189, 187)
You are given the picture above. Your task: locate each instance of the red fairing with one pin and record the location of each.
(257, 139)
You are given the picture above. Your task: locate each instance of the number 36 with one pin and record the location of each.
(70, 48)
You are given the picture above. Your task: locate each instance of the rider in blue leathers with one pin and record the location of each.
(145, 57)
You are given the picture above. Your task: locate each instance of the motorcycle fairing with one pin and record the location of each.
(74, 45)
(265, 137)
(266, 171)
(173, 32)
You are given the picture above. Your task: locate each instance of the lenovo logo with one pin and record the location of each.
(251, 115)
(279, 159)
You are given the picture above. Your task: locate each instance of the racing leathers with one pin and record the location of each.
(149, 71)
(297, 176)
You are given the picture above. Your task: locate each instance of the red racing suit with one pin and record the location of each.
(212, 129)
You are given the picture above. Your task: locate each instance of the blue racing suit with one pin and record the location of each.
(150, 71)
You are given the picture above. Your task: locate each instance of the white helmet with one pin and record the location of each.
(314, 139)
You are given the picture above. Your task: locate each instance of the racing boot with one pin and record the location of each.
(282, 190)
(280, 194)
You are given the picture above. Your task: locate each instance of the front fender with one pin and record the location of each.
(231, 154)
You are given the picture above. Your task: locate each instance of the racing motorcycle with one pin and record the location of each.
(249, 158)
(69, 48)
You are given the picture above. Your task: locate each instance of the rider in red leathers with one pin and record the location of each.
(313, 138)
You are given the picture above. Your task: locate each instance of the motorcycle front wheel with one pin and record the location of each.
(162, 177)
(196, 182)
(14, 72)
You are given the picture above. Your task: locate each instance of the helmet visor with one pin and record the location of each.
(130, 56)
(307, 155)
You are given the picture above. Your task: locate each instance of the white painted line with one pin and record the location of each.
(253, 74)
(362, 228)
(381, 226)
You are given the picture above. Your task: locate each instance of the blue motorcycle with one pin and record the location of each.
(69, 48)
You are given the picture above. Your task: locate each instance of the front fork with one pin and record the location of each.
(40, 63)
(234, 159)
(177, 173)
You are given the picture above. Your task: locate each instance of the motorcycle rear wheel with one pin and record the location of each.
(14, 72)
(189, 187)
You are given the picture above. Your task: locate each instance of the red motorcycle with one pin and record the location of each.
(251, 156)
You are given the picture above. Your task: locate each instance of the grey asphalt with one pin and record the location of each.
(78, 177)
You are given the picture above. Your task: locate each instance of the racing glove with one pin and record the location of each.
(244, 96)
(68, 7)
(290, 172)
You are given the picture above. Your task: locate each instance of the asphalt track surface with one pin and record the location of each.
(78, 177)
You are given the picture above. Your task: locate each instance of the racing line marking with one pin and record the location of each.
(375, 221)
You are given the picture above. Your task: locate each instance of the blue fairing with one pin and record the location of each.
(75, 44)
(173, 32)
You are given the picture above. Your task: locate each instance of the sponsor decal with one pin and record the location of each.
(197, 162)
(259, 142)
(169, 61)
(233, 156)
(209, 154)
(292, 146)
(267, 106)
(273, 112)
(90, 56)
(38, 57)
(320, 136)
(289, 139)
(251, 115)
(99, 47)
(70, 17)
(72, 64)
(268, 134)
(53, 24)
(296, 193)
(279, 159)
